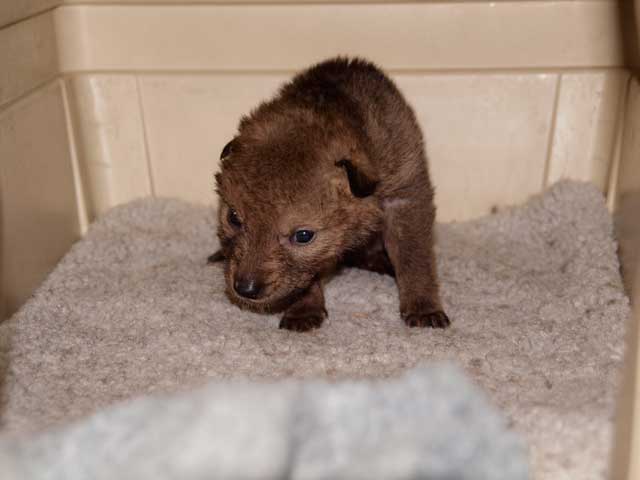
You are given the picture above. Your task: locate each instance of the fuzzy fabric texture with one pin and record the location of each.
(429, 424)
(534, 293)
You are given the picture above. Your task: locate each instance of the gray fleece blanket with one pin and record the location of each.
(430, 424)
(534, 293)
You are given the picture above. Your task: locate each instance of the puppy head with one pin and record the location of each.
(290, 207)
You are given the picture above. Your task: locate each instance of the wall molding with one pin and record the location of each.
(80, 38)
(440, 35)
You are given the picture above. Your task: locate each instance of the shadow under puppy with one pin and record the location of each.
(331, 172)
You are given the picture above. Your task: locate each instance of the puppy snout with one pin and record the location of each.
(248, 287)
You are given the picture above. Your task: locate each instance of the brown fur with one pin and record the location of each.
(338, 151)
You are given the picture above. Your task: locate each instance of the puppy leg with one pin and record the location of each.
(408, 237)
(307, 312)
(373, 257)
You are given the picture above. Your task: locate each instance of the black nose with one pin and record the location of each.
(247, 287)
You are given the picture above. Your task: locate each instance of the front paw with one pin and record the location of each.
(302, 321)
(437, 319)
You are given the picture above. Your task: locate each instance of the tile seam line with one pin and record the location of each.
(145, 138)
(39, 13)
(552, 132)
(69, 74)
(618, 144)
(6, 105)
(76, 73)
(79, 184)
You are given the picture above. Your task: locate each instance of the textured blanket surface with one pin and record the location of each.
(534, 293)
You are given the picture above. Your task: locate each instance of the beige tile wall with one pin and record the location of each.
(483, 130)
(524, 112)
(584, 137)
(28, 56)
(39, 220)
(39, 217)
(12, 11)
(110, 139)
(188, 121)
(520, 130)
(407, 36)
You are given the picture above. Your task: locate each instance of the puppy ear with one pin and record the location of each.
(218, 180)
(216, 257)
(361, 185)
(228, 149)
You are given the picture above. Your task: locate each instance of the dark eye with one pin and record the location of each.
(303, 236)
(232, 216)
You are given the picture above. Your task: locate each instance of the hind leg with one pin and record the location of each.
(373, 256)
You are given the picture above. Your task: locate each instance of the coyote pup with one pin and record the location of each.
(331, 172)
